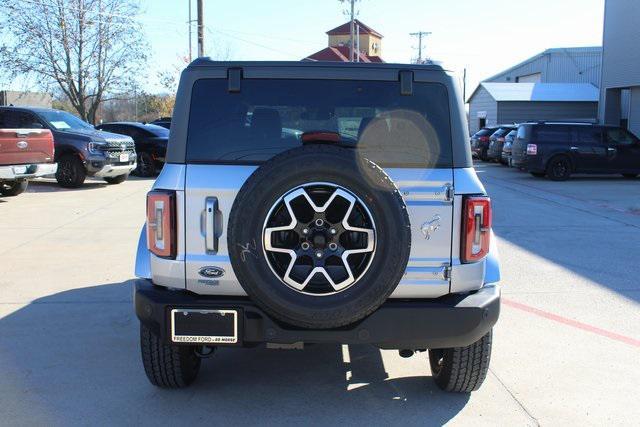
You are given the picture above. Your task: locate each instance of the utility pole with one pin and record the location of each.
(200, 28)
(357, 42)
(464, 85)
(420, 34)
(352, 47)
(190, 24)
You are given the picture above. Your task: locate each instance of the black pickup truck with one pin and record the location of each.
(151, 143)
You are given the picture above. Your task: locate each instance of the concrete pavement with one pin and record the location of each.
(566, 347)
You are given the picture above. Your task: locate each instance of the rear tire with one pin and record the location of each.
(13, 188)
(71, 172)
(461, 369)
(538, 174)
(559, 168)
(117, 179)
(483, 156)
(630, 175)
(167, 366)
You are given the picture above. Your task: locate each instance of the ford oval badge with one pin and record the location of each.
(211, 272)
(22, 144)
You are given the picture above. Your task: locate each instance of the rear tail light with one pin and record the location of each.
(484, 138)
(476, 228)
(52, 146)
(532, 149)
(161, 223)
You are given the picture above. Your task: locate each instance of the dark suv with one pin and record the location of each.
(150, 140)
(559, 149)
(496, 142)
(480, 142)
(80, 149)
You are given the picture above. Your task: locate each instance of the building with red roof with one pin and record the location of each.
(370, 44)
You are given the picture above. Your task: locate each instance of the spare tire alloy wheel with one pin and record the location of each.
(326, 253)
(319, 237)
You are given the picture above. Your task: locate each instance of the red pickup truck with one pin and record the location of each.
(24, 154)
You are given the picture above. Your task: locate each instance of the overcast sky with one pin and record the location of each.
(485, 36)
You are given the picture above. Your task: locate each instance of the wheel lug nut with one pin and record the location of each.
(333, 246)
(333, 231)
(318, 254)
(305, 231)
(319, 222)
(305, 246)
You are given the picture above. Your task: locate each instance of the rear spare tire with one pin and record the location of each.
(319, 237)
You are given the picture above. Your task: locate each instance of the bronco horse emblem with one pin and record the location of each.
(429, 227)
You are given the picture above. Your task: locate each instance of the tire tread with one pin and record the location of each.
(167, 366)
(464, 368)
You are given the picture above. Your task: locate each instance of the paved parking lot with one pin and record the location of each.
(567, 346)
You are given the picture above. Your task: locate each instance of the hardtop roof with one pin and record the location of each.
(208, 62)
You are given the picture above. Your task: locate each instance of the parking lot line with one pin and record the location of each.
(570, 322)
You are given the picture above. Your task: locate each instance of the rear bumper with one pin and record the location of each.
(529, 163)
(450, 321)
(19, 172)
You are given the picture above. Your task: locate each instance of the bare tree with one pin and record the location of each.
(89, 49)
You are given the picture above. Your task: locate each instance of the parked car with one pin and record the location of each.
(80, 149)
(24, 154)
(165, 122)
(496, 142)
(505, 158)
(255, 235)
(151, 143)
(480, 142)
(557, 150)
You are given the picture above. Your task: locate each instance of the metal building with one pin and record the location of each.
(25, 99)
(620, 90)
(558, 65)
(562, 83)
(502, 103)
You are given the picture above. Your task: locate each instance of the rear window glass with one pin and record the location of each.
(552, 134)
(484, 132)
(156, 130)
(523, 132)
(269, 116)
(501, 132)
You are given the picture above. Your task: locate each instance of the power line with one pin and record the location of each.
(420, 35)
(224, 34)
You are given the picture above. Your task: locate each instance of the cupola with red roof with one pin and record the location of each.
(340, 41)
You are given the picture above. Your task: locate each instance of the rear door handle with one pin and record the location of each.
(573, 148)
(210, 229)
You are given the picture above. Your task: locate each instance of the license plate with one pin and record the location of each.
(19, 169)
(124, 157)
(204, 326)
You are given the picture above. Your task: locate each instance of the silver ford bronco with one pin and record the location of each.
(311, 202)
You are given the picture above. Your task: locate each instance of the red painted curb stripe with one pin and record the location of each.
(570, 322)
